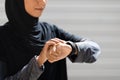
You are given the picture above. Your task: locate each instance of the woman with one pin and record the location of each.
(32, 50)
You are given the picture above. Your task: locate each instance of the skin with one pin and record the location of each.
(35, 7)
(54, 49)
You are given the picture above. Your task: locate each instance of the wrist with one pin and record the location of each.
(73, 46)
(41, 60)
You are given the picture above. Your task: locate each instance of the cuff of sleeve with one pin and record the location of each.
(42, 67)
(74, 48)
(36, 70)
(31, 71)
(74, 53)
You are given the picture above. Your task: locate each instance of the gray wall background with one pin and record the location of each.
(98, 20)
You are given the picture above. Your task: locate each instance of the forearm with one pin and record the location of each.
(31, 71)
(86, 51)
(83, 50)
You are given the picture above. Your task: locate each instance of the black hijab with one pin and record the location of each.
(18, 17)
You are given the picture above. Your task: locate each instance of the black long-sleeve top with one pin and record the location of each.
(17, 64)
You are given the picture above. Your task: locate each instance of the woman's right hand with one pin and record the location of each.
(42, 58)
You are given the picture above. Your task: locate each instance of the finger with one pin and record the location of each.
(58, 48)
(60, 40)
(57, 40)
(54, 51)
(51, 57)
(56, 55)
(49, 44)
(51, 49)
(51, 61)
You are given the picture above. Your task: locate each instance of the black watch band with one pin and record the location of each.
(73, 45)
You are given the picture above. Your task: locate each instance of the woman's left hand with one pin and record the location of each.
(58, 52)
